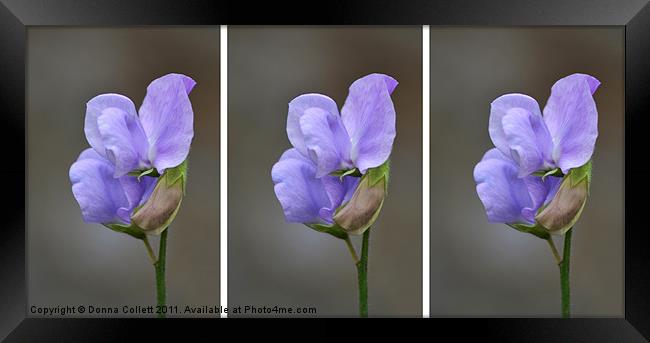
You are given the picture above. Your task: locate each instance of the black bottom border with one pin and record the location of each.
(497, 329)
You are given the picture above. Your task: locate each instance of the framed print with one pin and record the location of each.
(472, 169)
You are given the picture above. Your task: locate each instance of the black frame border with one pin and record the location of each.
(16, 16)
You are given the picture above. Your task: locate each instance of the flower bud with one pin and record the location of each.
(565, 208)
(356, 216)
(155, 215)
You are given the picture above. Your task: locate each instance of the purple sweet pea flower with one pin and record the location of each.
(361, 136)
(507, 198)
(103, 198)
(563, 138)
(123, 141)
(324, 142)
(537, 178)
(159, 137)
(304, 197)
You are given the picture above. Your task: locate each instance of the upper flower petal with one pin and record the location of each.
(297, 108)
(300, 193)
(499, 108)
(369, 118)
(528, 140)
(98, 193)
(572, 120)
(94, 108)
(503, 194)
(168, 120)
(327, 142)
(124, 140)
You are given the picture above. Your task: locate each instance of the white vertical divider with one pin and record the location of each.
(223, 297)
(425, 172)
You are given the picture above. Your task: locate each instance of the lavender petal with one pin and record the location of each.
(369, 118)
(572, 120)
(168, 120)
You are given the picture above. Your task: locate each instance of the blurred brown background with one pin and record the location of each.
(272, 262)
(73, 263)
(482, 269)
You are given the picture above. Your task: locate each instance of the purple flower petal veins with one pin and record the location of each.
(168, 120)
(528, 139)
(103, 198)
(297, 108)
(94, 109)
(325, 141)
(563, 138)
(572, 120)
(507, 198)
(123, 141)
(159, 137)
(369, 117)
(304, 197)
(499, 108)
(361, 136)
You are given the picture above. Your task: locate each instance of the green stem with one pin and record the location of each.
(564, 275)
(353, 252)
(362, 271)
(160, 274)
(551, 244)
(152, 256)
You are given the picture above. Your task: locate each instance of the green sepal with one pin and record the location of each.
(349, 172)
(553, 172)
(131, 230)
(334, 230)
(580, 173)
(376, 174)
(152, 172)
(172, 175)
(535, 230)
